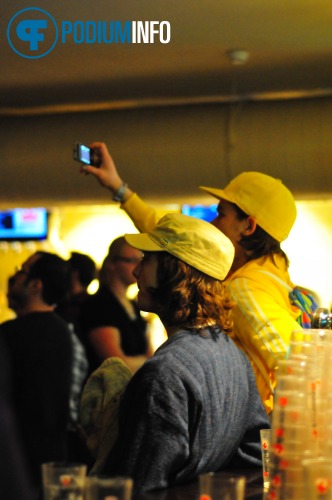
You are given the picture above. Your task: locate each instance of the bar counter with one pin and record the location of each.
(254, 487)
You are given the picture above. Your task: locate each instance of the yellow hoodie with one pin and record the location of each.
(263, 318)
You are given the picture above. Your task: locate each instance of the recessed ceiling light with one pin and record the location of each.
(238, 56)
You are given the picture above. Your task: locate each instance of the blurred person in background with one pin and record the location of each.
(15, 482)
(257, 212)
(111, 323)
(79, 366)
(83, 272)
(40, 351)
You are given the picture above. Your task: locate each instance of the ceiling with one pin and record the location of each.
(289, 44)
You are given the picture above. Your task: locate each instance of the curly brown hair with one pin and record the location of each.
(189, 298)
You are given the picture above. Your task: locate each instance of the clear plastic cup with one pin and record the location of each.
(63, 480)
(216, 486)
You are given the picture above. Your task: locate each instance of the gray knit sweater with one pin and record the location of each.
(193, 407)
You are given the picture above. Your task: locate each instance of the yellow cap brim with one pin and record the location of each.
(142, 241)
(196, 242)
(217, 193)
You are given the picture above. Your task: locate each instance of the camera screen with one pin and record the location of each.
(85, 154)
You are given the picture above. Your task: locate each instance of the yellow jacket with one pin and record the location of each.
(263, 316)
(143, 216)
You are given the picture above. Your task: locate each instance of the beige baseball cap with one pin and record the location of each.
(263, 197)
(191, 240)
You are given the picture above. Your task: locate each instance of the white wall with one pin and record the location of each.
(309, 248)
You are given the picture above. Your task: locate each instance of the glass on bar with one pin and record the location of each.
(265, 447)
(101, 487)
(216, 486)
(63, 481)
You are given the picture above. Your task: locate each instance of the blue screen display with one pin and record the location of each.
(205, 212)
(23, 224)
(85, 154)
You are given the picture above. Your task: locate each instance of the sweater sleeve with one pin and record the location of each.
(153, 438)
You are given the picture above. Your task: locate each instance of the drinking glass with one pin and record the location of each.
(63, 481)
(108, 488)
(318, 478)
(215, 486)
(265, 447)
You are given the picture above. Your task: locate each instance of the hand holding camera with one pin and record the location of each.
(96, 160)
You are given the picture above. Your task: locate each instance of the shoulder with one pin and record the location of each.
(8, 325)
(14, 328)
(103, 300)
(257, 267)
(45, 318)
(10, 332)
(190, 355)
(95, 298)
(163, 365)
(46, 329)
(261, 274)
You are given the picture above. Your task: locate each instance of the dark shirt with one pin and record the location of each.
(40, 350)
(70, 309)
(103, 309)
(14, 480)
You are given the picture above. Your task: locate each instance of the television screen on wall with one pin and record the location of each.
(205, 212)
(23, 224)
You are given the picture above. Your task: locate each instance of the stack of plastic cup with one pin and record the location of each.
(302, 416)
(317, 477)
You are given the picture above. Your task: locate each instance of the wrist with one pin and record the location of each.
(119, 193)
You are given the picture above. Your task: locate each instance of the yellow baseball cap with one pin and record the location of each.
(191, 240)
(263, 197)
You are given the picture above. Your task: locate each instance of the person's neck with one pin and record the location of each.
(77, 289)
(240, 259)
(120, 292)
(36, 306)
(171, 330)
(119, 289)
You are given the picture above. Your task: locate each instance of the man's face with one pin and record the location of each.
(228, 222)
(123, 264)
(146, 275)
(19, 286)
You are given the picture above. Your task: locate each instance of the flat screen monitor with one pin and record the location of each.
(205, 212)
(23, 224)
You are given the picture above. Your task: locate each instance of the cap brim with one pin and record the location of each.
(217, 193)
(142, 241)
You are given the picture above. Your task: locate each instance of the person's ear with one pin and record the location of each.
(251, 225)
(36, 285)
